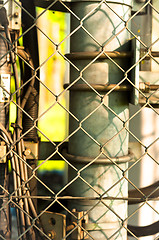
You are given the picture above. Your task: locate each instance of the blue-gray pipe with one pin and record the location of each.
(105, 220)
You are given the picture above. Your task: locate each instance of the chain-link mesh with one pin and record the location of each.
(79, 87)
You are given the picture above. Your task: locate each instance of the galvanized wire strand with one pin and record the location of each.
(50, 39)
(153, 93)
(149, 155)
(2, 237)
(135, 187)
(115, 86)
(110, 188)
(135, 137)
(51, 198)
(137, 62)
(152, 6)
(136, 162)
(150, 47)
(71, 114)
(20, 169)
(21, 158)
(16, 184)
(31, 80)
(47, 8)
(90, 114)
(151, 193)
(112, 111)
(153, 142)
(69, 10)
(26, 202)
(4, 3)
(153, 58)
(68, 162)
(70, 62)
(137, 12)
(22, 216)
(134, 212)
(92, 11)
(13, 165)
(136, 113)
(84, 230)
(153, 109)
(44, 85)
(89, 135)
(136, 37)
(113, 211)
(149, 204)
(24, 179)
(44, 161)
(120, 17)
(131, 233)
(114, 136)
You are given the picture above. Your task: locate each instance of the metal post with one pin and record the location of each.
(100, 130)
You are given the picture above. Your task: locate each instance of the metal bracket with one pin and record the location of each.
(149, 85)
(135, 45)
(54, 225)
(31, 150)
(5, 83)
(3, 150)
(14, 14)
(81, 220)
(137, 5)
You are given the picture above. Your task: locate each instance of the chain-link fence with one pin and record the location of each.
(79, 89)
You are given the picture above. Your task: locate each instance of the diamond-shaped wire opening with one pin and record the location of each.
(83, 22)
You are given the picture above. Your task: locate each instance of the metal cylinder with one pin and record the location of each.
(100, 117)
(101, 27)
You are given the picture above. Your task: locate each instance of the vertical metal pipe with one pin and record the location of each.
(105, 219)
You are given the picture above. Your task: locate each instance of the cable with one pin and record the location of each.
(16, 145)
(27, 57)
(19, 177)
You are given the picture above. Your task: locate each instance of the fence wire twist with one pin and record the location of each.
(98, 163)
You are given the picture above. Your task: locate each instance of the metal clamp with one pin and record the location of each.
(3, 150)
(92, 55)
(99, 87)
(31, 150)
(14, 14)
(54, 225)
(101, 160)
(79, 222)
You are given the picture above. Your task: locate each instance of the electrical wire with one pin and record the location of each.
(19, 168)
(15, 144)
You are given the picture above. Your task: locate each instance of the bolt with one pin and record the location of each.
(51, 234)
(2, 143)
(16, 14)
(27, 152)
